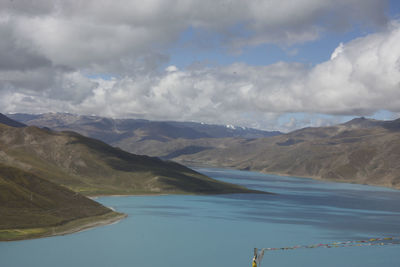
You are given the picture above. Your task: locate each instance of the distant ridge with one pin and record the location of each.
(115, 131)
(7, 121)
(363, 123)
(92, 167)
(359, 151)
(44, 175)
(164, 139)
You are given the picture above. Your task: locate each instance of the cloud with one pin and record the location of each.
(171, 68)
(110, 36)
(362, 78)
(27, 7)
(16, 55)
(49, 51)
(337, 51)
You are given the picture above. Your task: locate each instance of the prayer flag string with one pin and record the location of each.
(354, 243)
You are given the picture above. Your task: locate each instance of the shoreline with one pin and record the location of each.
(117, 217)
(319, 178)
(94, 197)
(75, 226)
(79, 225)
(316, 178)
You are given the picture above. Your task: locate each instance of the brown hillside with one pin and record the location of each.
(31, 206)
(367, 153)
(92, 167)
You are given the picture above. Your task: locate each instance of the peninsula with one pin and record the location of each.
(46, 176)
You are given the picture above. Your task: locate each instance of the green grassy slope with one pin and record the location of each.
(31, 206)
(92, 167)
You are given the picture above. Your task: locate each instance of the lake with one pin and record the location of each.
(208, 231)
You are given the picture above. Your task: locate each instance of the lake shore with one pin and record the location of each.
(313, 177)
(74, 226)
(83, 223)
(128, 195)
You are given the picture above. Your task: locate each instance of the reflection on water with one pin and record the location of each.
(337, 206)
(223, 230)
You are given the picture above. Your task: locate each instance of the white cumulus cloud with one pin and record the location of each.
(49, 50)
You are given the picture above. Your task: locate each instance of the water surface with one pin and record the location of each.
(202, 231)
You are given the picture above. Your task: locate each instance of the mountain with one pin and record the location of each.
(92, 167)
(122, 131)
(363, 123)
(31, 206)
(45, 174)
(360, 151)
(166, 140)
(7, 121)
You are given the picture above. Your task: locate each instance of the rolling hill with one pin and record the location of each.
(45, 175)
(92, 167)
(359, 151)
(7, 121)
(31, 206)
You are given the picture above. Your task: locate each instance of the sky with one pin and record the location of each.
(266, 64)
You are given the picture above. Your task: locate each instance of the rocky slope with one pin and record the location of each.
(92, 167)
(45, 174)
(360, 151)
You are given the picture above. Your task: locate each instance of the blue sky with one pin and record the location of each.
(185, 52)
(268, 64)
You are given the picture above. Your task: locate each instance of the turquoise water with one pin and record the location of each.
(208, 231)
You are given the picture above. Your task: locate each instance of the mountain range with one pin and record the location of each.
(359, 151)
(92, 167)
(46, 172)
(120, 131)
(44, 175)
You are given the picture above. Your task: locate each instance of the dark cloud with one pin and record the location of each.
(27, 7)
(16, 54)
(105, 35)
